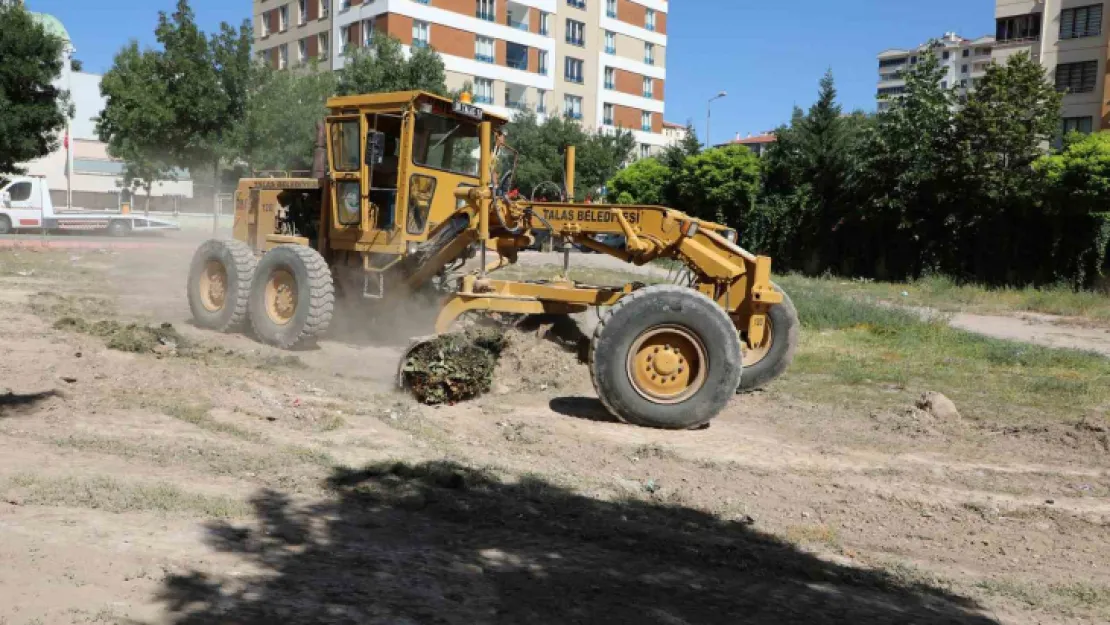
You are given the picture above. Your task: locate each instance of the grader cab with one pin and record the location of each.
(405, 190)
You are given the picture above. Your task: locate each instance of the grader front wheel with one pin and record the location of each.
(219, 284)
(292, 296)
(765, 362)
(665, 357)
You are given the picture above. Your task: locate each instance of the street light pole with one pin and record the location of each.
(709, 115)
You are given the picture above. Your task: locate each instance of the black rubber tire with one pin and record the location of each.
(239, 262)
(118, 228)
(649, 308)
(784, 330)
(315, 296)
(5, 225)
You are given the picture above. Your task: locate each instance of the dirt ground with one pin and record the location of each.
(221, 481)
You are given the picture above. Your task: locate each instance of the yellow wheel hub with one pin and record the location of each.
(281, 297)
(667, 364)
(213, 286)
(755, 353)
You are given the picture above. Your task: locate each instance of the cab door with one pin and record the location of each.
(348, 196)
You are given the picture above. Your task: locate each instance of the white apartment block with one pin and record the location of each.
(964, 62)
(602, 62)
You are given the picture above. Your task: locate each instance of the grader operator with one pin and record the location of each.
(405, 191)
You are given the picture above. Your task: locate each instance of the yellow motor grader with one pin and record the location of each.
(405, 191)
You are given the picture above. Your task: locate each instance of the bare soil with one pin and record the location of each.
(232, 483)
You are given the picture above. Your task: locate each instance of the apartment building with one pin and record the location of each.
(1069, 38)
(964, 62)
(602, 62)
(290, 33)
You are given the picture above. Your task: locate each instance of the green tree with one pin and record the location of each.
(34, 110)
(720, 184)
(538, 153)
(643, 182)
(1000, 131)
(135, 117)
(382, 67)
(906, 179)
(674, 158)
(1077, 184)
(278, 129)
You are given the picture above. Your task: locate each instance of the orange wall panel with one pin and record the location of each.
(626, 117)
(657, 123)
(632, 13)
(629, 82)
(500, 52)
(398, 27)
(660, 22)
(465, 7)
(447, 40)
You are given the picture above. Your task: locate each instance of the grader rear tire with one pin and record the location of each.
(665, 357)
(219, 284)
(770, 359)
(292, 296)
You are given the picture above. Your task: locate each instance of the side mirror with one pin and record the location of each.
(375, 147)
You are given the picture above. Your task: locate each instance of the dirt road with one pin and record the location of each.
(231, 484)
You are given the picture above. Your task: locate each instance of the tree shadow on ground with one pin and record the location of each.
(440, 543)
(16, 403)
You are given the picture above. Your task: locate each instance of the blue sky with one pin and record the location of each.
(768, 55)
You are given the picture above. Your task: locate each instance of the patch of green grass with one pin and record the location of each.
(945, 294)
(1074, 598)
(198, 415)
(110, 495)
(856, 351)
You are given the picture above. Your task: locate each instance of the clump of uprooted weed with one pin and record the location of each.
(453, 367)
(128, 337)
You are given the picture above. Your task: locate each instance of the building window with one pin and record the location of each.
(1018, 28)
(607, 115)
(649, 53)
(578, 4)
(322, 44)
(610, 8)
(367, 33)
(967, 53)
(265, 30)
(645, 150)
(543, 61)
(283, 18)
(344, 5)
(419, 34)
(572, 106)
(576, 33)
(944, 84)
(573, 70)
(483, 49)
(963, 83)
(946, 55)
(302, 50)
(541, 101)
(483, 91)
(325, 6)
(302, 12)
(610, 42)
(649, 88)
(645, 121)
(1077, 77)
(610, 78)
(283, 56)
(344, 38)
(963, 69)
(1081, 22)
(892, 62)
(545, 23)
(486, 10)
(649, 19)
(1083, 125)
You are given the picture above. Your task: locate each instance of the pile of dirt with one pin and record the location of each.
(130, 337)
(453, 367)
(1092, 435)
(541, 360)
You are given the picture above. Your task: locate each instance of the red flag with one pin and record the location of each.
(66, 141)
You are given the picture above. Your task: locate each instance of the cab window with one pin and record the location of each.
(445, 143)
(20, 192)
(345, 145)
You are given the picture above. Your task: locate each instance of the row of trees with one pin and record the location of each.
(944, 182)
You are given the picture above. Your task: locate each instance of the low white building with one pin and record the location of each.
(964, 62)
(96, 178)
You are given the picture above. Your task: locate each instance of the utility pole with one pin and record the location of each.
(708, 116)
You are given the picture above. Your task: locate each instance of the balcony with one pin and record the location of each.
(609, 85)
(610, 49)
(645, 127)
(483, 99)
(482, 58)
(648, 94)
(419, 43)
(517, 16)
(573, 115)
